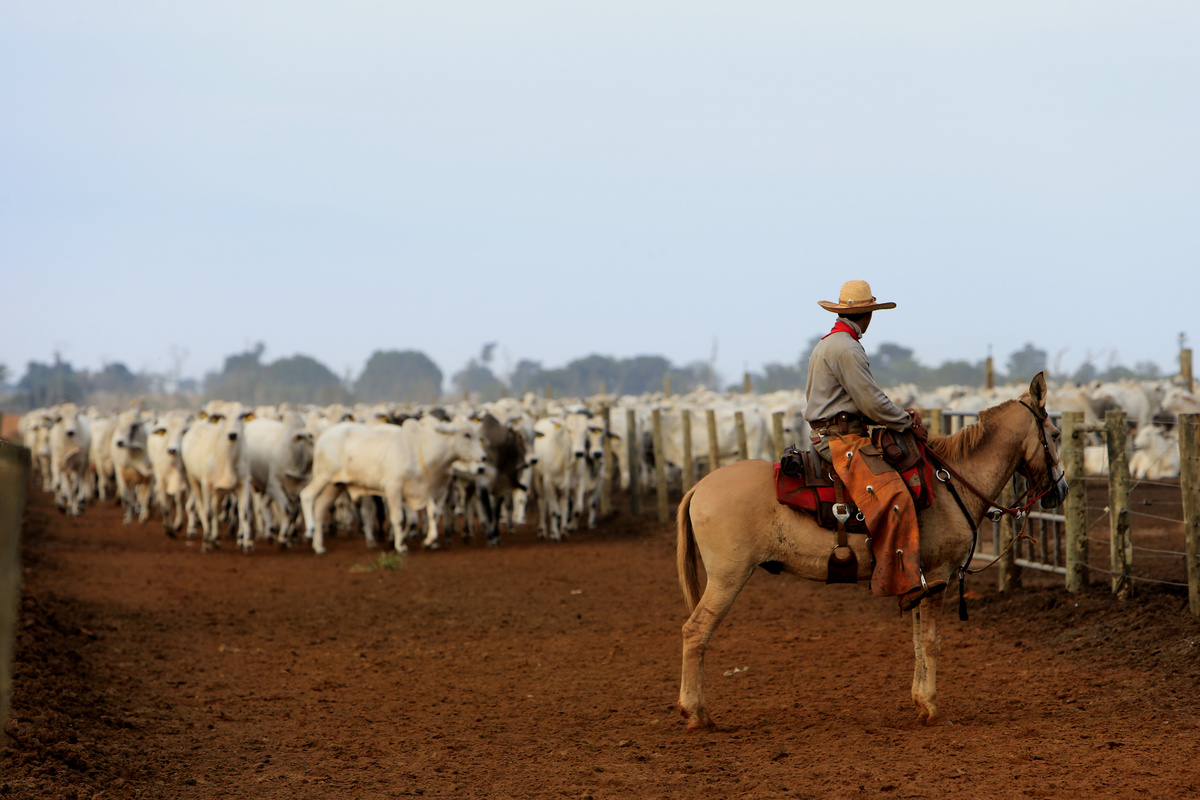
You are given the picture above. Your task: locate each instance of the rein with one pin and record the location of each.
(997, 510)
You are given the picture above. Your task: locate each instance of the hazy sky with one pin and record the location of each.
(622, 178)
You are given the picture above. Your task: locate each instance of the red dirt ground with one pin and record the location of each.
(146, 668)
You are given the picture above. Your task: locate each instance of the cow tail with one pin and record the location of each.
(685, 552)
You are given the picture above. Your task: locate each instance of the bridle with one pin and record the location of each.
(996, 510)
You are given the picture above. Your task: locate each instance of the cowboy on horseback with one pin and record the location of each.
(844, 403)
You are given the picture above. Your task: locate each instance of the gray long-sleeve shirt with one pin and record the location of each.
(839, 379)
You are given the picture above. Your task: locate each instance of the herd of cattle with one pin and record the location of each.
(286, 473)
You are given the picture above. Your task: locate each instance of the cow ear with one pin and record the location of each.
(249, 415)
(160, 431)
(203, 415)
(538, 434)
(300, 437)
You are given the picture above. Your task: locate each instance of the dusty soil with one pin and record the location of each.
(146, 668)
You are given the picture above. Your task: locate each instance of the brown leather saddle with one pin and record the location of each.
(808, 483)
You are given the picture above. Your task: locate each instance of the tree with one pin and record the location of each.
(47, 384)
(524, 377)
(241, 378)
(302, 379)
(476, 379)
(1025, 363)
(117, 379)
(405, 375)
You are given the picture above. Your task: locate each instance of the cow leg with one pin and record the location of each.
(394, 500)
(208, 521)
(927, 645)
(433, 514)
(144, 503)
(193, 511)
(281, 508)
(315, 501)
(495, 505)
(368, 517)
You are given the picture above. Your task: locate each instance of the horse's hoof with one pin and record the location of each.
(697, 723)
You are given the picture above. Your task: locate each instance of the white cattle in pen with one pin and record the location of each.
(69, 441)
(163, 447)
(1127, 396)
(1179, 400)
(587, 434)
(1155, 453)
(100, 462)
(555, 451)
(35, 434)
(760, 437)
(1095, 460)
(131, 464)
(279, 454)
(215, 464)
(408, 465)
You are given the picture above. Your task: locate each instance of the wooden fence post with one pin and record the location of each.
(714, 446)
(747, 384)
(635, 477)
(607, 475)
(777, 426)
(14, 477)
(1116, 431)
(990, 373)
(1189, 482)
(660, 465)
(1185, 368)
(1075, 507)
(934, 423)
(689, 460)
(667, 385)
(743, 450)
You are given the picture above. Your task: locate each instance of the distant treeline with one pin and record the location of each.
(411, 376)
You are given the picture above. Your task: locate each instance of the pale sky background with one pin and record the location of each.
(623, 178)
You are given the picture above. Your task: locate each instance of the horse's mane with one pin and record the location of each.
(959, 444)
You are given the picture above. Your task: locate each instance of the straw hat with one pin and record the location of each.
(856, 298)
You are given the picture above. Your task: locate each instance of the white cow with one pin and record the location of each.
(279, 456)
(35, 434)
(560, 446)
(588, 469)
(69, 439)
(215, 464)
(163, 448)
(1155, 453)
(408, 465)
(100, 463)
(131, 464)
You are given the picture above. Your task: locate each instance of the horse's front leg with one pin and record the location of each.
(927, 644)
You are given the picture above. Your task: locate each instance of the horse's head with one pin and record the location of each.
(1040, 462)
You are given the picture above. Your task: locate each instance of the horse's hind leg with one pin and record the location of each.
(714, 604)
(927, 645)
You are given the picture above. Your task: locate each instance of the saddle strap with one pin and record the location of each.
(839, 510)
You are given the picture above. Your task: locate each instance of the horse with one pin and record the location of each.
(733, 523)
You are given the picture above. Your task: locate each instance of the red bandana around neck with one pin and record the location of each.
(845, 327)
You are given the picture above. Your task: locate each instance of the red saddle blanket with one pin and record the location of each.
(817, 498)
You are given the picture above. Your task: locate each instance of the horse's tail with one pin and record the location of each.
(685, 552)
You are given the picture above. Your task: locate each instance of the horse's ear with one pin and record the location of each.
(1037, 390)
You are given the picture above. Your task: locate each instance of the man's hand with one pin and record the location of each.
(918, 426)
